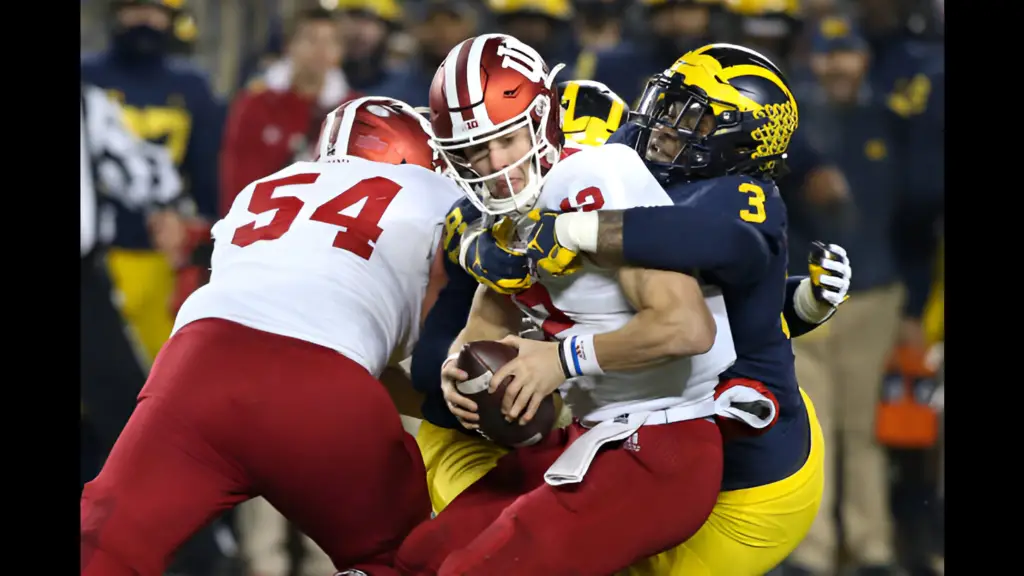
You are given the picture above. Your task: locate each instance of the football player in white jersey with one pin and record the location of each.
(268, 386)
(639, 351)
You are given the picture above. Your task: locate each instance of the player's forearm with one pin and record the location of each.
(672, 321)
(492, 318)
(798, 326)
(673, 238)
(444, 321)
(648, 339)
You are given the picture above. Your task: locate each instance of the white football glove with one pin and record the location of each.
(830, 273)
(818, 296)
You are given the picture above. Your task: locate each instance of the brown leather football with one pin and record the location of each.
(480, 360)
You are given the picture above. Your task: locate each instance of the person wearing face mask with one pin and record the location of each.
(676, 27)
(168, 101)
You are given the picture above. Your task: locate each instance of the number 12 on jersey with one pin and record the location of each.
(360, 231)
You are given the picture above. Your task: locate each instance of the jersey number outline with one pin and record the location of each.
(756, 201)
(586, 200)
(538, 296)
(360, 232)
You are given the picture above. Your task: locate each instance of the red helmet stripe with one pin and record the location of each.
(476, 80)
(462, 80)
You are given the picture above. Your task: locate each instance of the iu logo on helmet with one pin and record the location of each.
(522, 59)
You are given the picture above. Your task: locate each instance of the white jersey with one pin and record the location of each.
(337, 254)
(613, 177)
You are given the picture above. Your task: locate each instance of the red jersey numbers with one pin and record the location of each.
(585, 200)
(538, 300)
(360, 231)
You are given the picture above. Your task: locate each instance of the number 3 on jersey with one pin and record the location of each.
(756, 213)
(360, 231)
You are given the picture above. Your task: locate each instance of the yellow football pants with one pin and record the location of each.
(145, 281)
(749, 531)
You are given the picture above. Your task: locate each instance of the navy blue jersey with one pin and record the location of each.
(444, 321)
(710, 229)
(731, 232)
(170, 104)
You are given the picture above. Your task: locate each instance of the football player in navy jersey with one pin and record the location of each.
(714, 129)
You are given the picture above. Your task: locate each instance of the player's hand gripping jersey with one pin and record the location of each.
(337, 254)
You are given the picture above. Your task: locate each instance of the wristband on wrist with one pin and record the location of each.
(807, 307)
(577, 231)
(578, 357)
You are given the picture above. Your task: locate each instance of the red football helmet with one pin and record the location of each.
(378, 129)
(488, 87)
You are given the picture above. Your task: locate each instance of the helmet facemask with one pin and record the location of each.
(685, 134)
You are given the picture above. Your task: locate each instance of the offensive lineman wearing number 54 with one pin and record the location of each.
(269, 386)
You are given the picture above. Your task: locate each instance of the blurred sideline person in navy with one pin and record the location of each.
(599, 25)
(366, 30)
(842, 365)
(166, 100)
(772, 27)
(907, 51)
(676, 27)
(116, 166)
(438, 26)
(542, 24)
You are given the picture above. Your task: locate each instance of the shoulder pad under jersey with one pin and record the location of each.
(752, 200)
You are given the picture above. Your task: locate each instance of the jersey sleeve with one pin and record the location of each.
(446, 318)
(730, 226)
(461, 214)
(443, 323)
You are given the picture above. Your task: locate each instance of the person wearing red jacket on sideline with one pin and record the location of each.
(276, 118)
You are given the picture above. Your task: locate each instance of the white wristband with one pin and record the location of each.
(807, 307)
(578, 356)
(577, 231)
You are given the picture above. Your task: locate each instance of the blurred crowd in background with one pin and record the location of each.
(237, 89)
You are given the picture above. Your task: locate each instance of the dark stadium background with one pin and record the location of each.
(391, 48)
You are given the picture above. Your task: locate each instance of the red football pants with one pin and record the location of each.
(635, 501)
(230, 413)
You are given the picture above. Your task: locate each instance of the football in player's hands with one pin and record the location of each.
(480, 360)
